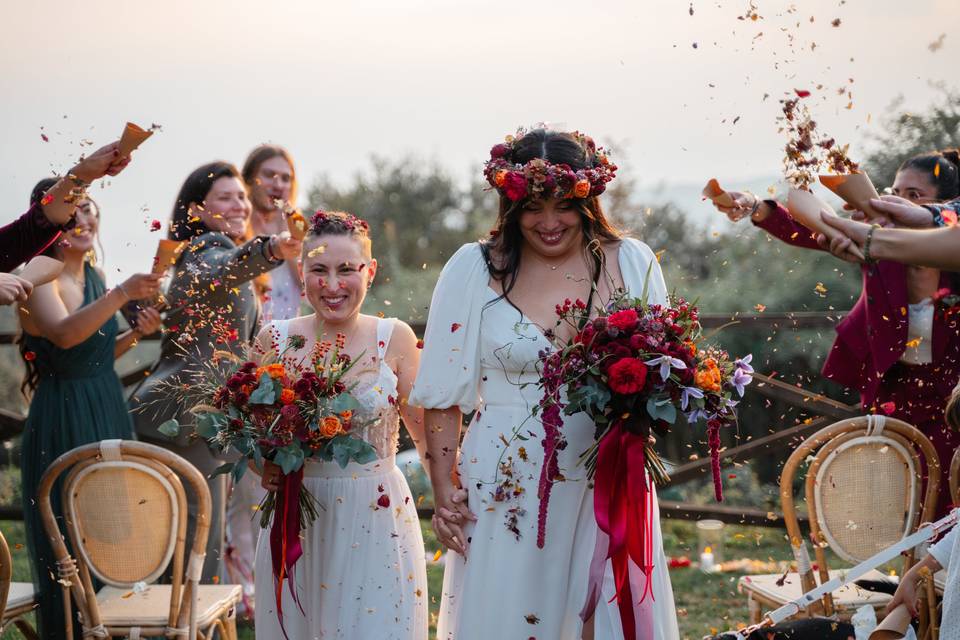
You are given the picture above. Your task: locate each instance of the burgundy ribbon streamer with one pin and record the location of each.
(285, 547)
(623, 506)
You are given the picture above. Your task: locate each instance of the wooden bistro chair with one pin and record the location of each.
(16, 598)
(125, 513)
(863, 490)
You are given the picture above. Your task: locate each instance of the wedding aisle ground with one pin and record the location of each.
(706, 603)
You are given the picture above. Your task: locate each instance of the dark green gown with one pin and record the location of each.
(78, 400)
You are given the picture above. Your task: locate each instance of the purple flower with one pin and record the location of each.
(686, 394)
(741, 378)
(666, 362)
(744, 364)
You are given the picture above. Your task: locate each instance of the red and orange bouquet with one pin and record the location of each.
(635, 370)
(285, 414)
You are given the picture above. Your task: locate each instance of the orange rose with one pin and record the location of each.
(287, 396)
(500, 177)
(275, 371)
(346, 415)
(582, 188)
(330, 426)
(708, 379)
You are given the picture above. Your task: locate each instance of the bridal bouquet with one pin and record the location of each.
(634, 370)
(286, 415)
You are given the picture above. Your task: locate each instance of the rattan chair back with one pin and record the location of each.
(864, 490)
(125, 513)
(6, 574)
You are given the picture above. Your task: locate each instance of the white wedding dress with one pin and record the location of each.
(363, 574)
(481, 355)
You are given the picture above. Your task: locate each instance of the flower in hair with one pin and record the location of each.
(541, 178)
(323, 220)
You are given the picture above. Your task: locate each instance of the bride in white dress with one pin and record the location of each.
(362, 575)
(480, 353)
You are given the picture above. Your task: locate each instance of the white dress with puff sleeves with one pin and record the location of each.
(481, 356)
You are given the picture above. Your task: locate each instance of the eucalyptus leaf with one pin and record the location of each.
(170, 428)
(224, 468)
(265, 393)
(344, 402)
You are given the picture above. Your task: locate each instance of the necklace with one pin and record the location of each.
(551, 266)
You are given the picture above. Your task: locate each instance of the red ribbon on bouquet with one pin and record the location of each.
(285, 547)
(623, 506)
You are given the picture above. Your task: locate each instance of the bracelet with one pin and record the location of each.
(866, 244)
(80, 184)
(268, 252)
(123, 291)
(756, 205)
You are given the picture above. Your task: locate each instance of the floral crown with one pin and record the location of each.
(327, 221)
(539, 177)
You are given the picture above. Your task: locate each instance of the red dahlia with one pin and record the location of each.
(627, 375)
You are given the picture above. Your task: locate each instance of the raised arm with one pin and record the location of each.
(214, 259)
(772, 217)
(58, 203)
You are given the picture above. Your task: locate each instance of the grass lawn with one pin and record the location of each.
(705, 603)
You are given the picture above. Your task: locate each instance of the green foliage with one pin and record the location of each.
(904, 134)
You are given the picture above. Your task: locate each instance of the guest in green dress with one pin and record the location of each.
(70, 339)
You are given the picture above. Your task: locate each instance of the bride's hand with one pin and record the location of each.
(450, 514)
(270, 480)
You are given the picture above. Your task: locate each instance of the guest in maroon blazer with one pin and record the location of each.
(36, 230)
(899, 346)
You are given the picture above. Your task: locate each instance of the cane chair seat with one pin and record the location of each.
(121, 607)
(766, 590)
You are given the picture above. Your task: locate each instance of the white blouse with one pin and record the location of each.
(450, 362)
(919, 349)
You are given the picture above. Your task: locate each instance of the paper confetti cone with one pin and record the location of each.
(855, 189)
(132, 137)
(297, 225)
(713, 191)
(894, 626)
(167, 254)
(805, 209)
(41, 270)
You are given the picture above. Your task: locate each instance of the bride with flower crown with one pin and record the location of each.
(491, 312)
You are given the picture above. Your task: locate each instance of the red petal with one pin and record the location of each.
(383, 501)
(888, 407)
(455, 326)
(802, 93)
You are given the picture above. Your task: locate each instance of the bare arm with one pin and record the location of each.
(51, 318)
(406, 356)
(938, 248)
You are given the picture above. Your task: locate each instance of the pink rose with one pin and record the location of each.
(515, 186)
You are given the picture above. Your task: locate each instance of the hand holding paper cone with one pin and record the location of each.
(133, 136)
(297, 225)
(167, 254)
(714, 192)
(805, 208)
(41, 270)
(855, 189)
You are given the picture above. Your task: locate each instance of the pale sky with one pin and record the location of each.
(337, 82)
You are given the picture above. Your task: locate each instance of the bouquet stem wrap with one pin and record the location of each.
(285, 547)
(623, 506)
